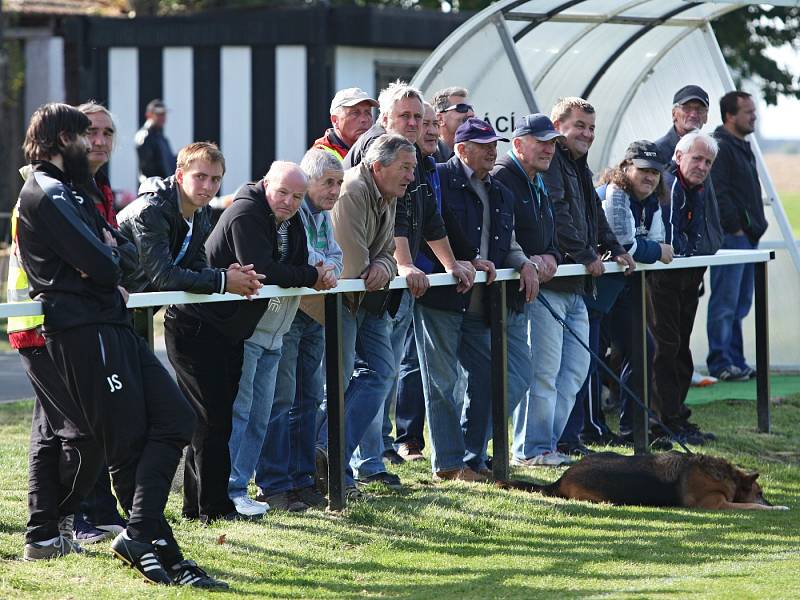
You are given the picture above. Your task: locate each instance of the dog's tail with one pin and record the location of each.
(549, 489)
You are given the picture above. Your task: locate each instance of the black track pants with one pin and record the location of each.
(62, 466)
(208, 367)
(134, 410)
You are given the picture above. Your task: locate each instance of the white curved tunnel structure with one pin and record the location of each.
(626, 57)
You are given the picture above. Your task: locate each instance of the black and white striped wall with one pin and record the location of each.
(259, 83)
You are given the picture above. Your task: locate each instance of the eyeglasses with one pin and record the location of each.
(459, 108)
(688, 109)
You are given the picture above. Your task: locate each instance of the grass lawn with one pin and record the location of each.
(791, 204)
(462, 540)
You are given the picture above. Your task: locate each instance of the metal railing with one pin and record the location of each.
(499, 348)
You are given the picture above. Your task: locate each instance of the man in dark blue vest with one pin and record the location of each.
(453, 328)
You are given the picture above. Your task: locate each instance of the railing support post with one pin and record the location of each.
(335, 400)
(143, 324)
(499, 349)
(639, 362)
(762, 347)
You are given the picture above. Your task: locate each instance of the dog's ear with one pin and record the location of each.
(748, 479)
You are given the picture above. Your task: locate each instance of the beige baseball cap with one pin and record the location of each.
(351, 97)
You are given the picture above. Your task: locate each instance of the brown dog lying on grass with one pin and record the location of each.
(669, 479)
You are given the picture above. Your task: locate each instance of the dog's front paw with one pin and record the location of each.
(780, 508)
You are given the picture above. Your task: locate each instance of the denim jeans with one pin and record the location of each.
(287, 457)
(560, 366)
(410, 408)
(520, 376)
(369, 337)
(445, 339)
(368, 457)
(730, 301)
(586, 416)
(251, 413)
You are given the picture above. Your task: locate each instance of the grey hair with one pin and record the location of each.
(690, 139)
(92, 107)
(426, 106)
(385, 149)
(393, 93)
(441, 99)
(317, 161)
(278, 167)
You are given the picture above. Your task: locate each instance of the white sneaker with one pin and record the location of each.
(566, 459)
(545, 459)
(700, 380)
(247, 507)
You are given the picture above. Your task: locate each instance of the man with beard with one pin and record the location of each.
(54, 440)
(121, 402)
(689, 112)
(741, 213)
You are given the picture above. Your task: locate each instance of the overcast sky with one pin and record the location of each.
(782, 121)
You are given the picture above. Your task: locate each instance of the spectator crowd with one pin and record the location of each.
(419, 190)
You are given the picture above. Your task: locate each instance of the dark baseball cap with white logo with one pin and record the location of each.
(644, 154)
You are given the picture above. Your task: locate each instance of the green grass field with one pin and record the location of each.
(462, 540)
(791, 204)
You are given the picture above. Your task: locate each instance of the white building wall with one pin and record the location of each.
(123, 102)
(236, 118)
(290, 102)
(355, 67)
(45, 72)
(178, 86)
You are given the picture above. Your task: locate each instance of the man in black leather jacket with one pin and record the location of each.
(169, 223)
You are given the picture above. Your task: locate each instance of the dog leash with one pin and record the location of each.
(610, 371)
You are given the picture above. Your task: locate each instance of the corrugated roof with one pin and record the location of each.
(67, 7)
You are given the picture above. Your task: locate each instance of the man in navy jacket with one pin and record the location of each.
(453, 328)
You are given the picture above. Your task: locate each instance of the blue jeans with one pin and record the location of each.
(730, 301)
(560, 366)
(251, 412)
(586, 416)
(445, 339)
(368, 457)
(369, 337)
(410, 408)
(287, 457)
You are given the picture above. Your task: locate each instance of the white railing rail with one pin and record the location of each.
(145, 299)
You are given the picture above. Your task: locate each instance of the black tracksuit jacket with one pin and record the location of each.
(60, 236)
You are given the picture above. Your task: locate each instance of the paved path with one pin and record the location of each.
(14, 384)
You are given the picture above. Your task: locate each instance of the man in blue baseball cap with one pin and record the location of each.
(453, 328)
(533, 146)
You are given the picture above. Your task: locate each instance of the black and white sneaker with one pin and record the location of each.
(141, 557)
(187, 572)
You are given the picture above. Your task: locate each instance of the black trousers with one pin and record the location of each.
(674, 296)
(63, 463)
(208, 367)
(135, 412)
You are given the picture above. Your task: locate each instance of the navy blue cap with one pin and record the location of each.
(539, 126)
(690, 92)
(478, 131)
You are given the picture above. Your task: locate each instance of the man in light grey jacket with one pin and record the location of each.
(285, 186)
(285, 472)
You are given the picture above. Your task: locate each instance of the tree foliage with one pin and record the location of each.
(744, 35)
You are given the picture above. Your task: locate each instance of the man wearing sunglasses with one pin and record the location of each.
(452, 109)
